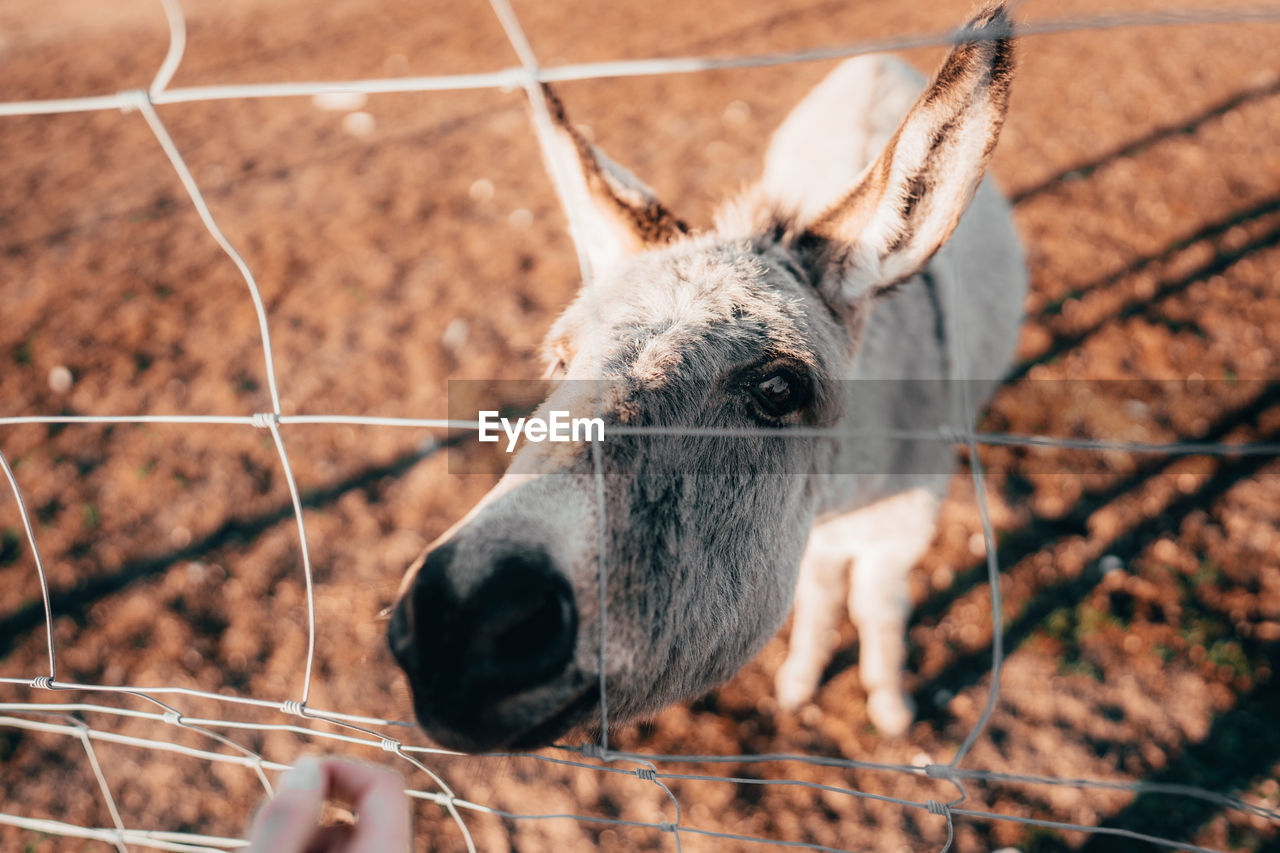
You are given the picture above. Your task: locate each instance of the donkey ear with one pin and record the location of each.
(907, 203)
(624, 215)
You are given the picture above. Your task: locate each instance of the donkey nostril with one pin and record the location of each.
(525, 626)
(527, 631)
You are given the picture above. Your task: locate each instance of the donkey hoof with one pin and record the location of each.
(794, 687)
(891, 712)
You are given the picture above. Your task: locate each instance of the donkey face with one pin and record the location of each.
(697, 528)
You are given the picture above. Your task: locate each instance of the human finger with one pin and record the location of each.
(332, 839)
(377, 797)
(286, 822)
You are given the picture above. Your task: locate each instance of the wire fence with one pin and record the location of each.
(66, 718)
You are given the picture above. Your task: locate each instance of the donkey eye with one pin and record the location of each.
(780, 393)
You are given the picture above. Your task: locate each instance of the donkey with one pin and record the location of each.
(832, 268)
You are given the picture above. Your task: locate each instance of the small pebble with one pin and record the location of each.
(943, 577)
(455, 334)
(737, 114)
(520, 219)
(358, 123)
(482, 190)
(397, 64)
(60, 379)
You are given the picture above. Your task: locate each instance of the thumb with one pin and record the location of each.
(288, 821)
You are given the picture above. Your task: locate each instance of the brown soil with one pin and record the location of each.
(1142, 593)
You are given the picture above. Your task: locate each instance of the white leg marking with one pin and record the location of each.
(867, 554)
(824, 577)
(895, 534)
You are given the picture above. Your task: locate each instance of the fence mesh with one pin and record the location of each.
(174, 728)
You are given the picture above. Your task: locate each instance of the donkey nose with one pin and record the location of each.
(515, 630)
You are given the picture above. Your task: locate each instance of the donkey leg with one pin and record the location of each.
(891, 536)
(823, 578)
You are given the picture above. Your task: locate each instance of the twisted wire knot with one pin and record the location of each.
(940, 809)
(390, 745)
(172, 717)
(132, 99)
(666, 827)
(265, 420)
(647, 773)
(42, 682)
(292, 706)
(592, 750)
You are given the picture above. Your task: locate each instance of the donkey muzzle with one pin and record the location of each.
(478, 662)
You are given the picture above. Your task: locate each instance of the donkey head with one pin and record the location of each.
(658, 562)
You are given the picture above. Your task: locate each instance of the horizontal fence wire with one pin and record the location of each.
(513, 78)
(945, 434)
(68, 718)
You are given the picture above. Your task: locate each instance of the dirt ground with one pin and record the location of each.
(420, 241)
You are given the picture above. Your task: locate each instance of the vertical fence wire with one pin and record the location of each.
(35, 554)
(560, 173)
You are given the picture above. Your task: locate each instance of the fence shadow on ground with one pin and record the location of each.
(75, 602)
(1137, 146)
(1221, 261)
(1243, 742)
